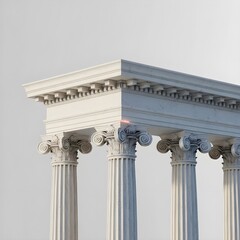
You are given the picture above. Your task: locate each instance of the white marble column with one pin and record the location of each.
(64, 211)
(122, 204)
(231, 185)
(184, 219)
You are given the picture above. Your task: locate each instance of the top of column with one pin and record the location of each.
(160, 100)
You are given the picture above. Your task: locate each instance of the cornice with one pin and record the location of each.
(180, 80)
(73, 80)
(137, 77)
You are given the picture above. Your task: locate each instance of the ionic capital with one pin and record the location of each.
(184, 148)
(229, 151)
(64, 148)
(122, 141)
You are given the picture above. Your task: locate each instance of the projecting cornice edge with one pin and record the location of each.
(74, 79)
(122, 73)
(177, 79)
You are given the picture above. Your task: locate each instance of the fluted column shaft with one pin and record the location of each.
(231, 185)
(184, 217)
(122, 204)
(231, 202)
(64, 210)
(184, 199)
(64, 207)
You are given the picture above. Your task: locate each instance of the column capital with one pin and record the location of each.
(64, 147)
(230, 152)
(186, 142)
(122, 140)
(184, 147)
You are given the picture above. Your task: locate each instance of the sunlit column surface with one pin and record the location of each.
(64, 210)
(122, 204)
(231, 184)
(184, 191)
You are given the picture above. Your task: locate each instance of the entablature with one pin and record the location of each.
(162, 101)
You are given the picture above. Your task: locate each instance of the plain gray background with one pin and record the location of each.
(43, 38)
